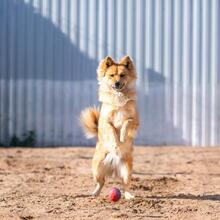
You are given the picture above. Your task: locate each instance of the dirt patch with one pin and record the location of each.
(168, 183)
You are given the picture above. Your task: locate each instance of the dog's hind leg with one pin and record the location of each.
(98, 188)
(98, 173)
(126, 170)
(100, 180)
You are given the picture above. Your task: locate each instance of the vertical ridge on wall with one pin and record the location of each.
(130, 23)
(195, 69)
(205, 72)
(186, 70)
(50, 49)
(3, 84)
(176, 64)
(48, 69)
(214, 80)
(167, 68)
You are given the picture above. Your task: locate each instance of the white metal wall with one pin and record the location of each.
(49, 50)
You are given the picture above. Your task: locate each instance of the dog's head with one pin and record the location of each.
(116, 76)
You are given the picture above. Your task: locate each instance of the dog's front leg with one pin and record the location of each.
(111, 134)
(124, 130)
(126, 170)
(128, 128)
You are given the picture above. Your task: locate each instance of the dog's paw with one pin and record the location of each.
(124, 130)
(128, 196)
(95, 193)
(123, 134)
(122, 138)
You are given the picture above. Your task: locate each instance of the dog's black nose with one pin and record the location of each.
(117, 84)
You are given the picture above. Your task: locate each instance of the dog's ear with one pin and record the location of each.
(103, 66)
(127, 62)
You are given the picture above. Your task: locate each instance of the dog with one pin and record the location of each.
(115, 123)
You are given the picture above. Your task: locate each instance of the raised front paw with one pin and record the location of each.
(124, 130)
(122, 137)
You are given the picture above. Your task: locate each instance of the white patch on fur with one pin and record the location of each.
(112, 159)
(124, 172)
(118, 93)
(103, 83)
(111, 146)
(89, 135)
(105, 112)
(114, 165)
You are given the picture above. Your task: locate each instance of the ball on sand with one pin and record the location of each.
(114, 194)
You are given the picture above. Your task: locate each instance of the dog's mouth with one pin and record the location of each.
(119, 87)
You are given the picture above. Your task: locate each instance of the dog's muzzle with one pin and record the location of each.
(118, 85)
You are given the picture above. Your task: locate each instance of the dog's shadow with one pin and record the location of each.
(215, 197)
(83, 196)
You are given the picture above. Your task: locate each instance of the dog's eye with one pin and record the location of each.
(122, 75)
(112, 75)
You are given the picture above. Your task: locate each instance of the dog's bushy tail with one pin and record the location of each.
(89, 119)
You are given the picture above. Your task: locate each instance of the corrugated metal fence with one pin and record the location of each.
(49, 50)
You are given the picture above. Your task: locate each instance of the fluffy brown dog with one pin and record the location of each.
(115, 123)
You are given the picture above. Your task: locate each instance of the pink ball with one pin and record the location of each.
(114, 194)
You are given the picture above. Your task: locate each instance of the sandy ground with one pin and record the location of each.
(168, 182)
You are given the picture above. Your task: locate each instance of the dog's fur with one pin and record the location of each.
(115, 123)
